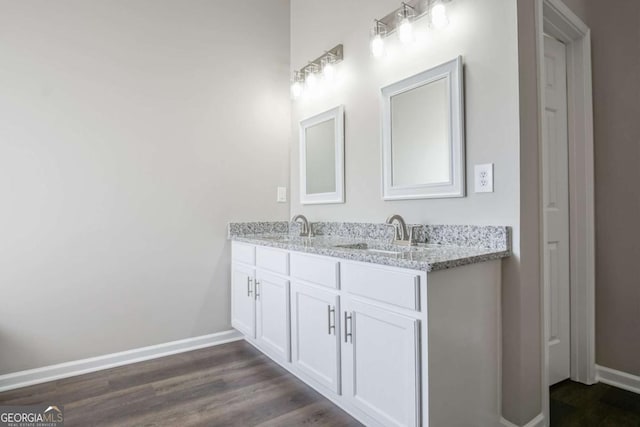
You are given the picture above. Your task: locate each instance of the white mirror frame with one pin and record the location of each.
(455, 187)
(337, 196)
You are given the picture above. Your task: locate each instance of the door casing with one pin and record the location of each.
(556, 19)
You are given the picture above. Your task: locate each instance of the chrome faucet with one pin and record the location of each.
(403, 236)
(306, 227)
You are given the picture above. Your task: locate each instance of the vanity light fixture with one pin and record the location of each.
(402, 21)
(307, 77)
(378, 34)
(406, 15)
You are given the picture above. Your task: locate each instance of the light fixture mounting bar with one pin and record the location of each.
(336, 53)
(420, 7)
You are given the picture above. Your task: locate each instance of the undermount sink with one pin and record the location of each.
(276, 238)
(366, 247)
(288, 239)
(361, 246)
(384, 251)
(381, 248)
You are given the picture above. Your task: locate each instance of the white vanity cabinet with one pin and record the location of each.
(382, 355)
(391, 346)
(272, 314)
(315, 335)
(381, 363)
(260, 298)
(243, 303)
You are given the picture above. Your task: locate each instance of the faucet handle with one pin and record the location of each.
(412, 236)
(395, 231)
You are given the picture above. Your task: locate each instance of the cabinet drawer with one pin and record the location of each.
(243, 252)
(398, 288)
(313, 269)
(271, 259)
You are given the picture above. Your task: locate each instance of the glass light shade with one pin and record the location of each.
(439, 18)
(405, 31)
(296, 89)
(297, 85)
(311, 79)
(328, 69)
(377, 46)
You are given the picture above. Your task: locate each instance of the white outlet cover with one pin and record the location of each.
(483, 178)
(282, 195)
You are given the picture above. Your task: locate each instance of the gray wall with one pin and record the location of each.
(130, 133)
(615, 41)
(486, 35)
(615, 37)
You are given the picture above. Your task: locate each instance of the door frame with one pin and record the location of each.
(554, 18)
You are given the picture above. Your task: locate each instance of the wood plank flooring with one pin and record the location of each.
(227, 385)
(599, 405)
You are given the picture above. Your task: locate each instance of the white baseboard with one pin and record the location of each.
(538, 421)
(618, 379)
(84, 366)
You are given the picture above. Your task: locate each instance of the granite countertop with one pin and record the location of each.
(379, 250)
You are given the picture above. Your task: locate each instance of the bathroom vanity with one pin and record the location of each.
(395, 335)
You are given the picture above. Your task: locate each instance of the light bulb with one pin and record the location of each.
(405, 31)
(328, 70)
(311, 80)
(378, 34)
(296, 90)
(297, 86)
(439, 18)
(377, 46)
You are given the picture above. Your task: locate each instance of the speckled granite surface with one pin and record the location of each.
(441, 247)
(478, 236)
(265, 227)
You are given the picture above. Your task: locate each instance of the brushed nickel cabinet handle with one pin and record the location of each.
(331, 319)
(256, 293)
(249, 291)
(347, 332)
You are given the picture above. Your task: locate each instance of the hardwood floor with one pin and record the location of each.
(227, 385)
(599, 405)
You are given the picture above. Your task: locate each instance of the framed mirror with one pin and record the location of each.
(423, 135)
(322, 158)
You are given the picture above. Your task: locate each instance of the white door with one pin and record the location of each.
(272, 314)
(381, 363)
(555, 166)
(315, 337)
(243, 305)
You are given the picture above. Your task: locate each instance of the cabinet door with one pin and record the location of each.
(243, 305)
(272, 315)
(381, 373)
(315, 334)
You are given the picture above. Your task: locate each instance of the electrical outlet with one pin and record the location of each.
(282, 195)
(484, 178)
